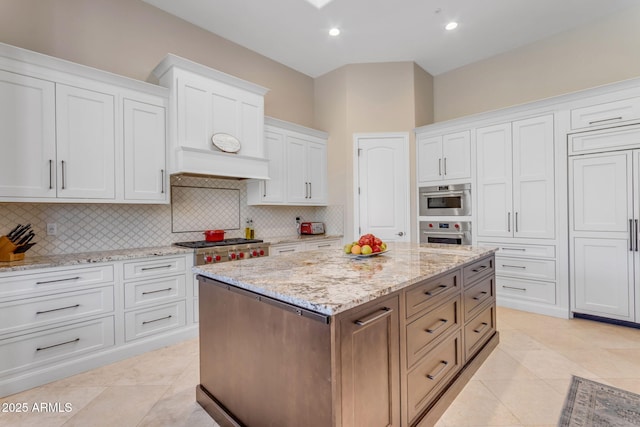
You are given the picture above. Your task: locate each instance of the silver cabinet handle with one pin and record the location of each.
(439, 324)
(514, 249)
(50, 174)
(516, 222)
(631, 235)
(605, 120)
(443, 365)
(162, 181)
(62, 174)
(264, 192)
(281, 251)
(445, 166)
(310, 191)
(58, 309)
(513, 287)
(156, 268)
(382, 312)
(479, 269)
(326, 245)
(58, 280)
(157, 320)
(481, 328)
(636, 234)
(439, 166)
(155, 292)
(514, 266)
(509, 222)
(57, 345)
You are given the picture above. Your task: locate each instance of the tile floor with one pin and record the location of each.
(522, 383)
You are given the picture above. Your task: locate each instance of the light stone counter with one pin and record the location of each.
(36, 262)
(329, 281)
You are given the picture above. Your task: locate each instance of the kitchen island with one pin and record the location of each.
(322, 338)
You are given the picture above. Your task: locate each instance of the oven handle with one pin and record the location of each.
(432, 234)
(444, 193)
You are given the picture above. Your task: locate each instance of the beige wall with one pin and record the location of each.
(423, 94)
(602, 52)
(367, 98)
(130, 37)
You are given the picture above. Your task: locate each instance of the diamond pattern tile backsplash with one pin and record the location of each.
(94, 227)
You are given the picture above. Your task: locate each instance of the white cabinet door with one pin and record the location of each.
(144, 151)
(494, 199)
(27, 137)
(603, 277)
(601, 192)
(533, 178)
(429, 158)
(273, 189)
(317, 172)
(297, 183)
(456, 155)
(85, 126)
(193, 113)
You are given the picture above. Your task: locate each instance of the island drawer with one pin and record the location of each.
(154, 267)
(476, 296)
(54, 280)
(45, 310)
(478, 269)
(153, 291)
(51, 345)
(432, 373)
(479, 330)
(423, 332)
(141, 323)
(431, 291)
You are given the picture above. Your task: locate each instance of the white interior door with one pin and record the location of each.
(382, 186)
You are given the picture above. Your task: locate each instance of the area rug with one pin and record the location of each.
(591, 404)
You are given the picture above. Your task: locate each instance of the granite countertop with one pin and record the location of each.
(297, 238)
(36, 262)
(329, 281)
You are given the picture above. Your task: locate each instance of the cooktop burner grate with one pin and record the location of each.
(226, 242)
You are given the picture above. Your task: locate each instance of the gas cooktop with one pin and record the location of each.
(226, 242)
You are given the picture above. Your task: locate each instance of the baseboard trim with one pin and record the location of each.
(606, 320)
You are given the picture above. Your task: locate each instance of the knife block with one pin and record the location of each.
(6, 250)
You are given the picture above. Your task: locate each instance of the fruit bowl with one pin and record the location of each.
(368, 255)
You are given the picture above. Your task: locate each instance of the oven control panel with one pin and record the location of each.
(230, 253)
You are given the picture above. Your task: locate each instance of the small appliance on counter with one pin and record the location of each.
(312, 228)
(16, 243)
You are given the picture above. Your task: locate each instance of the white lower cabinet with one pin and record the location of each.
(284, 248)
(61, 321)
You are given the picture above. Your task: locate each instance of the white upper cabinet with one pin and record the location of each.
(297, 166)
(145, 176)
(606, 113)
(27, 137)
(85, 130)
(205, 102)
(444, 157)
(70, 133)
(516, 179)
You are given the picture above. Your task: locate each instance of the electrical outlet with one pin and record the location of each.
(297, 220)
(52, 229)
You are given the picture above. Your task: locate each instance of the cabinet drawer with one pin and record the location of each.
(527, 290)
(153, 291)
(526, 251)
(54, 281)
(433, 372)
(536, 269)
(41, 311)
(52, 345)
(479, 330)
(605, 140)
(478, 269)
(425, 330)
(323, 244)
(431, 291)
(154, 267)
(605, 114)
(478, 295)
(141, 323)
(285, 249)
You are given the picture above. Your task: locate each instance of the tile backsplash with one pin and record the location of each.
(93, 227)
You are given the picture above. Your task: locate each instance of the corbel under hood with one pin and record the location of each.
(204, 102)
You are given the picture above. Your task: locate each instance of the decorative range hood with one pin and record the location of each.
(204, 102)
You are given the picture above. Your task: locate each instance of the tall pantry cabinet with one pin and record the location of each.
(604, 212)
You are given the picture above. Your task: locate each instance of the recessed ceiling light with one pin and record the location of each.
(334, 32)
(319, 3)
(451, 26)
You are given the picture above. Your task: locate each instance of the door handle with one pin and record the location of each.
(631, 235)
(400, 233)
